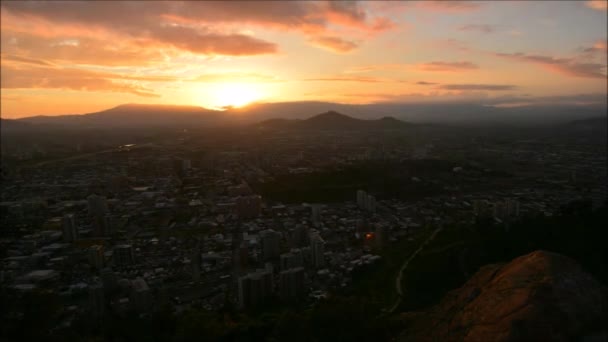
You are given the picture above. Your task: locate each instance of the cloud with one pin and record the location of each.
(484, 87)
(19, 59)
(74, 79)
(576, 99)
(133, 21)
(349, 79)
(334, 44)
(449, 6)
(236, 76)
(426, 83)
(376, 67)
(82, 51)
(209, 27)
(599, 46)
(565, 66)
(483, 28)
(600, 5)
(446, 66)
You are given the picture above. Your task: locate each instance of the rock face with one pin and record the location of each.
(540, 296)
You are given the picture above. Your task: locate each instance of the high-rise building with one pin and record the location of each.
(97, 301)
(315, 216)
(70, 231)
(95, 254)
(361, 197)
(141, 296)
(366, 201)
(98, 208)
(512, 207)
(291, 286)
(195, 264)
(107, 225)
(482, 208)
(97, 205)
(123, 255)
(381, 236)
(271, 244)
(317, 250)
(254, 288)
(249, 206)
(293, 259)
(300, 236)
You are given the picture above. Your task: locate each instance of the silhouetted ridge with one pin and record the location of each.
(332, 120)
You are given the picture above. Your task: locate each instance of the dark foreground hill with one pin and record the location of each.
(540, 296)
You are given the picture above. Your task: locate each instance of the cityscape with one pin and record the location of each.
(254, 219)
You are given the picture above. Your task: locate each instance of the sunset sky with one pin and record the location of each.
(78, 57)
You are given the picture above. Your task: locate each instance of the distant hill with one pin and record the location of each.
(13, 124)
(595, 123)
(132, 115)
(332, 120)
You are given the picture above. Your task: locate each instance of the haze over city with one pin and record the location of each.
(73, 57)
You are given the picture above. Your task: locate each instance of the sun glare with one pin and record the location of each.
(235, 95)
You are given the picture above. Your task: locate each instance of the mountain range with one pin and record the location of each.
(293, 114)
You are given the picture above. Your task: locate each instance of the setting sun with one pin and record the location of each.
(235, 95)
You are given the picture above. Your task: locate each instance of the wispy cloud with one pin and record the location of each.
(446, 66)
(236, 76)
(426, 83)
(73, 79)
(487, 87)
(565, 66)
(349, 79)
(334, 44)
(483, 28)
(377, 67)
(449, 6)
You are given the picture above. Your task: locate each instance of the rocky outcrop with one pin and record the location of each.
(540, 296)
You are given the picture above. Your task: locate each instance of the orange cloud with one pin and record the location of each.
(20, 77)
(482, 87)
(349, 79)
(565, 66)
(376, 67)
(446, 66)
(193, 26)
(334, 44)
(80, 51)
(449, 5)
(600, 5)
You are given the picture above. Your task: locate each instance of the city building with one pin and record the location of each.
(317, 250)
(97, 301)
(315, 216)
(291, 286)
(248, 206)
(300, 236)
(140, 297)
(123, 255)
(70, 231)
(96, 257)
(98, 208)
(254, 288)
(271, 244)
(293, 259)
